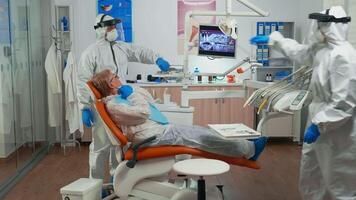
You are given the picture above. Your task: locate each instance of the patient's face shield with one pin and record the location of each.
(110, 25)
(326, 18)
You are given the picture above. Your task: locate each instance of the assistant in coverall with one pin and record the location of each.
(106, 53)
(328, 166)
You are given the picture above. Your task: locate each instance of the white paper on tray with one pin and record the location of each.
(234, 130)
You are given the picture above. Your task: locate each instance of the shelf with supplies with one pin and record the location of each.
(62, 35)
(63, 31)
(264, 54)
(256, 84)
(276, 66)
(271, 73)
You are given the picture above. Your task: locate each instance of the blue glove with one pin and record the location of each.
(125, 91)
(87, 117)
(311, 134)
(163, 64)
(263, 39)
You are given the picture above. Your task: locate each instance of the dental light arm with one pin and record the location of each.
(238, 65)
(241, 69)
(253, 7)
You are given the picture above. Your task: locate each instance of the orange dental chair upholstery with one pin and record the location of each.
(138, 164)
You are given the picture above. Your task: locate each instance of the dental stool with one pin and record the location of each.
(201, 168)
(138, 165)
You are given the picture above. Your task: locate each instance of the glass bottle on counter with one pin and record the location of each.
(197, 78)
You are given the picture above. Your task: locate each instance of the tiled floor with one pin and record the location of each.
(277, 180)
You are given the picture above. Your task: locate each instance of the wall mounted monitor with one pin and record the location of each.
(213, 42)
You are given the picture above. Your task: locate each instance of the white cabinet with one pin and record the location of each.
(219, 110)
(176, 114)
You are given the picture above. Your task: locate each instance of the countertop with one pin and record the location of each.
(189, 85)
(248, 83)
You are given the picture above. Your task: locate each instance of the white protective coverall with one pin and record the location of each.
(135, 122)
(94, 59)
(328, 166)
(54, 89)
(71, 101)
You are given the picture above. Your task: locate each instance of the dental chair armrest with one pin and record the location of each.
(131, 163)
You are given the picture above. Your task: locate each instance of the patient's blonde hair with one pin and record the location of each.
(101, 81)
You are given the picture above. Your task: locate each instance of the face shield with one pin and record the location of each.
(326, 18)
(330, 24)
(313, 35)
(111, 25)
(120, 32)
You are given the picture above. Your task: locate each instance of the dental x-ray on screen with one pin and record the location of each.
(213, 42)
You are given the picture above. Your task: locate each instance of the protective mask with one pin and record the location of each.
(112, 35)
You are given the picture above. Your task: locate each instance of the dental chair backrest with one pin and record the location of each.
(114, 133)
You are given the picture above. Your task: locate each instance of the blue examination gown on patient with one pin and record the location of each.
(155, 114)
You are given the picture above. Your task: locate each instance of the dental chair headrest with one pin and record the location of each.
(95, 91)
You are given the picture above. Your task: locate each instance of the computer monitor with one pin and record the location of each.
(213, 42)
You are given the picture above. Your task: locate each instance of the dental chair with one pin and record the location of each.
(138, 166)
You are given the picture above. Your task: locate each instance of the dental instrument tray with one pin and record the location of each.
(285, 90)
(234, 131)
(172, 72)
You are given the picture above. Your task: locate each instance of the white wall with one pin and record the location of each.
(351, 9)
(84, 14)
(305, 8)
(328, 3)
(155, 26)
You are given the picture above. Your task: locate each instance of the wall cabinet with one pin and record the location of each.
(221, 110)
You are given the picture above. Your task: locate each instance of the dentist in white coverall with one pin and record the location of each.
(106, 53)
(328, 166)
